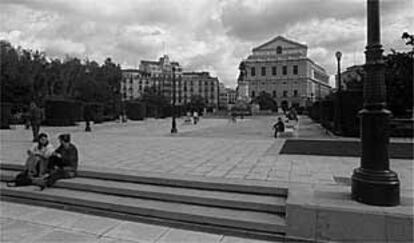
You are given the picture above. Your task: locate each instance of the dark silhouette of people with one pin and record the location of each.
(279, 127)
(62, 164)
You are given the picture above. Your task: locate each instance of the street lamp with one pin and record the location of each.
(338, 55)
(373, 182)
(173, 125)
(338, 127)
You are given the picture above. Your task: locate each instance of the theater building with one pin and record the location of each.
(281, 68)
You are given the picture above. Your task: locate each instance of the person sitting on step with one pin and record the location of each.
(62, 164)
(36, 165)
(39, 155)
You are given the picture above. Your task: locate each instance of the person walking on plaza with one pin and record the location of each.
(36, 117)
(195, 117)
(279, 126)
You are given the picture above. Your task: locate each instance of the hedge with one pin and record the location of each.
(63, 112)
(135, 110)
(93, 112)
(5, 115)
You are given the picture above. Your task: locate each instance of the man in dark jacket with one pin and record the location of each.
(62, 164)
(279, 127)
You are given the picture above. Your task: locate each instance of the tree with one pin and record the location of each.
(399, 80)
(155, 102)
(197, 103)
(265, 101)
(28, 75)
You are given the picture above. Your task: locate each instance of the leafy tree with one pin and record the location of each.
(156, 103)
(197, 103)
(265, 101)
(399, 80)
(28, 75)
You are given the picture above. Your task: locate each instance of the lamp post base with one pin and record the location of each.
(380, 188)
(174, 126)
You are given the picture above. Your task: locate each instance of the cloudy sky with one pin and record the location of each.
(212, 35)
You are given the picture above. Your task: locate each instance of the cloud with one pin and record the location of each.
(212, 35)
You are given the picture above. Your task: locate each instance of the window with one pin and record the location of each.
(284, 70)
(263, 71)
(295, 93)
(279, 50)
(273, 70)
(274, 93)
(253, 71)
(253, 94)
(295, 69)
(285, 93)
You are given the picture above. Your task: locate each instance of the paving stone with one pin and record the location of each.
(19, 231)
(53, 217)
(93, 224)
(186, 236)
(16, 211)
(136, 232)
(59, 235)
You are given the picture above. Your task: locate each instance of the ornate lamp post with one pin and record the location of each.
(173, 124)
(338, 127)
(373, 182)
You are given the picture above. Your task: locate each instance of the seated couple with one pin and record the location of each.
(45, 165)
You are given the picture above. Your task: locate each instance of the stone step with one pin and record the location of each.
(196, 182)
(239, 220)
(264, 203)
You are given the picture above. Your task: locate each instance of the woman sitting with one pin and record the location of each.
(39, 154)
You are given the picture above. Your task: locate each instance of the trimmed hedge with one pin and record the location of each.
(5, 115)
(351, 104)
(135, 110)
(61, 112)
(93, 112)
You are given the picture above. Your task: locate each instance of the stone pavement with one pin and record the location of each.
(24, 223)
(212, 148)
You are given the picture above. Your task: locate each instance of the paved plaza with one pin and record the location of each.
(214, 148)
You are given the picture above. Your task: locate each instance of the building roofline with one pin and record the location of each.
(280, 38)
(150, 62)
(131, 70)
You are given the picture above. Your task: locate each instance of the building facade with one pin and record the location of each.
(281, 68)
(352, 78)
(160, 76)
(202, 84)
(151, 74)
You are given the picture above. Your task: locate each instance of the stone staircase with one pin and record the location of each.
(253, 209)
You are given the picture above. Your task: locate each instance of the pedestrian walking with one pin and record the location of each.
(36, 117)
(195, 117)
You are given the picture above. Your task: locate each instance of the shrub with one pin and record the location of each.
(62, 112)
(93, 112)
(5, 115)
(135, 110)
